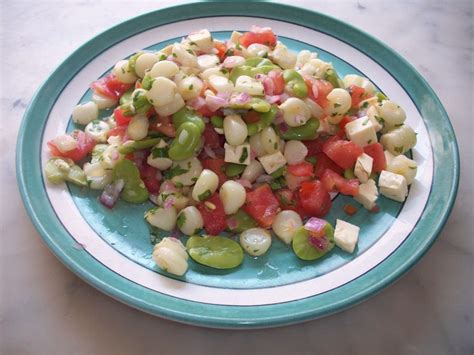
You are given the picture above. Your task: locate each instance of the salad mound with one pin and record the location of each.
(243, 136)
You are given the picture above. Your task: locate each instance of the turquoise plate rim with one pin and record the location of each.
(444, 187)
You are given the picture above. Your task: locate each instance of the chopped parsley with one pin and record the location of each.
(190, 87)
(399, 125)
(205, 195)
(174, 55)
(366, 121)
(365, 104)
(238, 46)
(159, 152)
(229, 52)
(181, 220)
(379, 119)
(244, 155)
(398, 149)
(163, 57)
(174, 171)
(190, 51)
(192, 43)
(337, 105)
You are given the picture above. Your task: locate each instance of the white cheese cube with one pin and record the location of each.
(239, 154)
(202, 40)
(361, 131)
(235, 36)
(372, 114)
(272, 162)
(367, 194)
(403, 166)
(363, 167)
(249, 85)
(346, 235)
(393, 186)
(207, 61)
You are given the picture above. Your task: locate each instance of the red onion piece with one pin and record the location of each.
(232, 223)
(284, 97)
(278, 118)
(197, 102)
(318, 242)
(215, 102)
(268, 86)
(224, 95)
(169, 202)
(272, 99)
(241, 98)
(210, 153)
(168, 186)
(315, 225)
(283, 127)
(111, 193)
(244, 183)
(264, 179)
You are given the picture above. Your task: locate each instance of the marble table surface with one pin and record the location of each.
(46, 309)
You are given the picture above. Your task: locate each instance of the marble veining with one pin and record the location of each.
(46, 309)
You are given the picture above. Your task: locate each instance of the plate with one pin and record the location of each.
(111, 250)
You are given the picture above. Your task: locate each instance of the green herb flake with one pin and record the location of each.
(175, 171)
(365, 104)
(399, 125)
(190, 51)
(163, 57)
(181, 220)
(224, 71)
(369, 141)
(337, 105)
(174, 55)
(398, 149)
(238, 46)
(191, 43)
(366, 121)
(275, 146)
(229, 52)
(311, 160)
(205, 195)
(412, 167)
(244, 155)
(159, 153)
(190, 87)
(379, 119)
(334, 114)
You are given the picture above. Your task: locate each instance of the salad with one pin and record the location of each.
(241, 136)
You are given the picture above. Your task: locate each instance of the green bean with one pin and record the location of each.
(307, 131)
(132, 61)
(331, 76)
(133, 146)
(126, 97)
(147, 82)
(58, 170)
(134, 190)
(217, 121)
(187, 115)
(232, 169)
(140, 102)
(184, 145)
(296, 83)
(242, 222)
(266, 120)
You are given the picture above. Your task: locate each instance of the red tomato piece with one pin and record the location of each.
(213, 215)
(343, 153)
(263, 36)
(320, 91)
(332, 181)
(85, 144)
(376, 152)
(323, 163)
(120, 131)
(149, 177)
(350, 210)
(345, 120)
(358, 94)
(211, 138)
(110, 86)
(262, 205)
(289, 200)
(315, 146)
(294, 182)
(120, 118)
(205, 111)
(221, 49)
(163, 125)
(301, 169)
(278, 81)
(217, 165)
(315, 199)
(251, 116)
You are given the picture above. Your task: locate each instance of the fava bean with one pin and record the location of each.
(296, 83)
(215, 251)
(134, 189)
(187, 115)
(217, 121)
(266, 120)
(306, 132)
(58, 170)
(240, 222)
(307, 249)
(331, 76)
(232, 169)
(141, 105)
(184, 145)
(133, 146)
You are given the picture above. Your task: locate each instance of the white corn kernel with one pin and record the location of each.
(295, 152)
(189, 220)
(138, 127)
(252, 171)
(163, 218)
(295, 112)
(233, 196)
(205, 185)
(85, 113)
(235, 130)
(285, 224)
(255, 241)
(123, 73)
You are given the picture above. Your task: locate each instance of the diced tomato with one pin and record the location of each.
(138, 85)
(323, 163)
(301, 169)
(110, 86)
(120, 118)
(211, 138)
(221, 49)
(278, 81)
(85, 144)
(315, 199)
(376, 152)
(333, 182)
(262, 205)
(263, 36)
(251, 116)
(315, 146)
(120, 131)
(358, 94)
(162, 124)
(322, 89)
(349, 209)
(213, 215)
(345, 120)
(375, 209)
(205, 111)
(343, 153)
(289, 200)
(294, 182)
(217, 165)
(149, 177)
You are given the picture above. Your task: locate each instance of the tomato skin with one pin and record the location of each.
(301, 169)
(358, 95)
(278, 82)
(294, 182)
(85, 144)
(376, 152)
(262, 205)
(162, 124)
(110, 86)
(211, 138)
(290, 200)
(217, 165)
(251, 116)
(322, 163)
(120, 131)
(345, 120)
(315, 146)
(315, 199)
(343, 153)
(349, 209)
(266, 37)
(120, 118)
(332, 181)
(323, 87)
(214, 219)
(148, 175)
